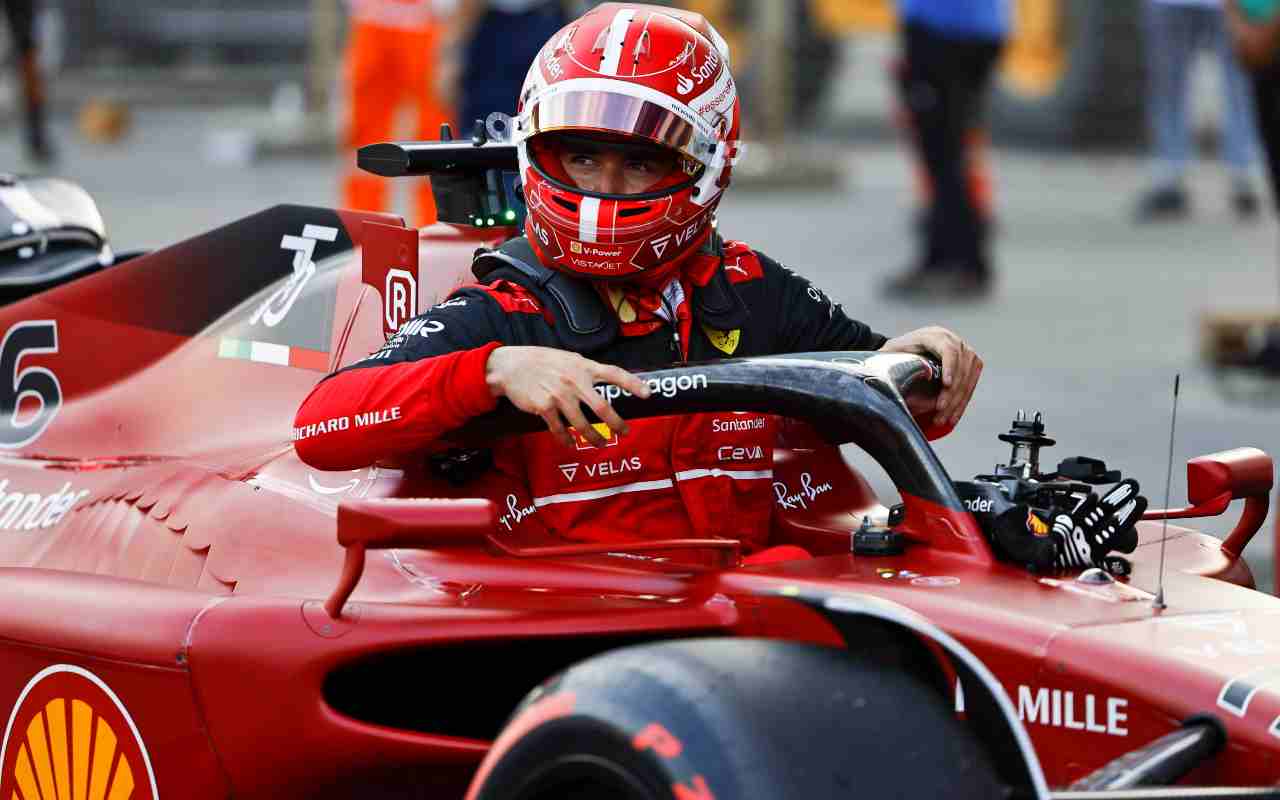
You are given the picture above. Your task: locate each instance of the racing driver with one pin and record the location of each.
(627, 132)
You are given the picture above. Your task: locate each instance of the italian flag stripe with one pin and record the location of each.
(309, 359)
(278, 354)
(233, 348)
(268, 353)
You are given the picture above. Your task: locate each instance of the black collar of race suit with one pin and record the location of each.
(717, 303)
(583, 323)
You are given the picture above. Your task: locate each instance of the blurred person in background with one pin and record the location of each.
(1175, 32)
(390, 62)
(21, 15)
(487, 46)
(950, 50)
(1255, 32)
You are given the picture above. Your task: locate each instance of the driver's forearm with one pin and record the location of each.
(360, 416)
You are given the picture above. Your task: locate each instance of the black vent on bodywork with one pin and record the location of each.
(464, 689)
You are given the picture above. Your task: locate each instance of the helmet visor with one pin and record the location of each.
(571, 160)
(566, 108)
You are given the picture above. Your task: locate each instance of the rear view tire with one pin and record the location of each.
(734, 718)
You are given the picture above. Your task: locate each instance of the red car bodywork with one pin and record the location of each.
(163, 593)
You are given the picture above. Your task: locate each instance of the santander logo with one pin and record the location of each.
(707, 69)
(698, 75)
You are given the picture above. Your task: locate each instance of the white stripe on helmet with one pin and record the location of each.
(588, 218)
(617, 35)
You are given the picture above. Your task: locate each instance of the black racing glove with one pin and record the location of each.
(1085, 535)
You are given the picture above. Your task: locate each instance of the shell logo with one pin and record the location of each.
(70, 738)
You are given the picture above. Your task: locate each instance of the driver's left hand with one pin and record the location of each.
(961, 368)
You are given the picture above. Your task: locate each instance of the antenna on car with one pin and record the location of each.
(1159, 603)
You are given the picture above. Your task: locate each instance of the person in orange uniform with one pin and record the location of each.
(390, 61)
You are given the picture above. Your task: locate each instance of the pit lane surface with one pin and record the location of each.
(1091, 318)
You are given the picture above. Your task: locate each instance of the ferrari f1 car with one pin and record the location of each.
(187, 610)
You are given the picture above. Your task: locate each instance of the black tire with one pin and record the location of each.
(740, 719)
(1098, 100)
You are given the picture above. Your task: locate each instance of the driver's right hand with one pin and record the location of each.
(555, 384)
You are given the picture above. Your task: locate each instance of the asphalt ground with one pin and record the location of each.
(1090, 321)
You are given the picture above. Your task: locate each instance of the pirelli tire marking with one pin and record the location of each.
(657, 739)
(69, 735)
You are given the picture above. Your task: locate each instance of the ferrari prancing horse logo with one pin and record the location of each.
(69, 736)
(724, 341)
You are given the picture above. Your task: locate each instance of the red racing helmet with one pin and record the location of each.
(630, 71)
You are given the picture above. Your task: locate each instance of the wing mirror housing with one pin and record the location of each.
(438, 524)
(1214, 480)
(382, 524)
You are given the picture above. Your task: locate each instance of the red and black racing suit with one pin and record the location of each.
(704, 475)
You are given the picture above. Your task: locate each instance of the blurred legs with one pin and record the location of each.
(944, 85)
(21, 17)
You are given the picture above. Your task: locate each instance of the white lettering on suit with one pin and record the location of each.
(801, 499)
(515, 512)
